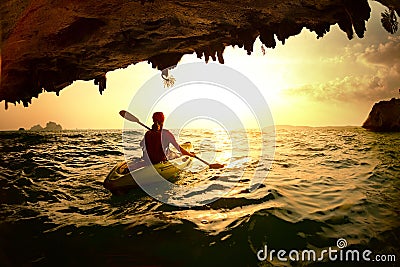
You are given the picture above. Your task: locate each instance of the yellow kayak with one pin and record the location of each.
(120, 179)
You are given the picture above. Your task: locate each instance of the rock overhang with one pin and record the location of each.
(48, 44)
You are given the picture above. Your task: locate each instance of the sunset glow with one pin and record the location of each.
(325, 82)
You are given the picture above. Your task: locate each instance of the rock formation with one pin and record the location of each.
(50, 126)
(48, 44)
(36, 128)
(384, 116)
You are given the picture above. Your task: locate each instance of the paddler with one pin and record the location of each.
(156, 141)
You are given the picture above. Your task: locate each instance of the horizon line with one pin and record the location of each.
(279, 125)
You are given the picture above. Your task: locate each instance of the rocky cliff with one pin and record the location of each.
(47, 44)
(384, 116)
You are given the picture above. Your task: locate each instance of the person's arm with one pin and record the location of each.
(172, 140)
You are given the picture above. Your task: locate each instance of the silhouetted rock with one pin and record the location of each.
(36, 128)
(47, 44)
(384, 116)
(50, 126)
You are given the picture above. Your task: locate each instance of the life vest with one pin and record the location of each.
(154, 148)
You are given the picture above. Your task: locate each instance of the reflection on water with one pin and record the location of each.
(324, 184)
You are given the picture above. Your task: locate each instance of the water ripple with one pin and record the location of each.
(324, 184)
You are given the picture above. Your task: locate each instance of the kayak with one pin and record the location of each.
(120, 179)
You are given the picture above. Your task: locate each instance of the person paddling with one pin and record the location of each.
(156, 141)
(171, 140)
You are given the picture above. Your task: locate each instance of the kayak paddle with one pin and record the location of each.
(128, 116)
(125, 114)
(213, 165)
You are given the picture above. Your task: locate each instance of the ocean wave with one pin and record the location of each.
(324, 184)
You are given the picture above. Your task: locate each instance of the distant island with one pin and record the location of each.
(50, 126)
(384, 117)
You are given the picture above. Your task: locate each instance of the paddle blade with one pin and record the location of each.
(125, 114)
(216, 166)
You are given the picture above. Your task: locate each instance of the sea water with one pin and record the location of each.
(324, 185)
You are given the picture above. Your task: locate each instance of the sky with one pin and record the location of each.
(331, 81)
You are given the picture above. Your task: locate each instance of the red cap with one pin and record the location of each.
(158, 116)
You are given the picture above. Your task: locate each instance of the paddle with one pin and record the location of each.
(125, 114)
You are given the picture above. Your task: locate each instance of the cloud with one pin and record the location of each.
(384, 55)
(348, 89)
(380, 81)
(385, 59)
